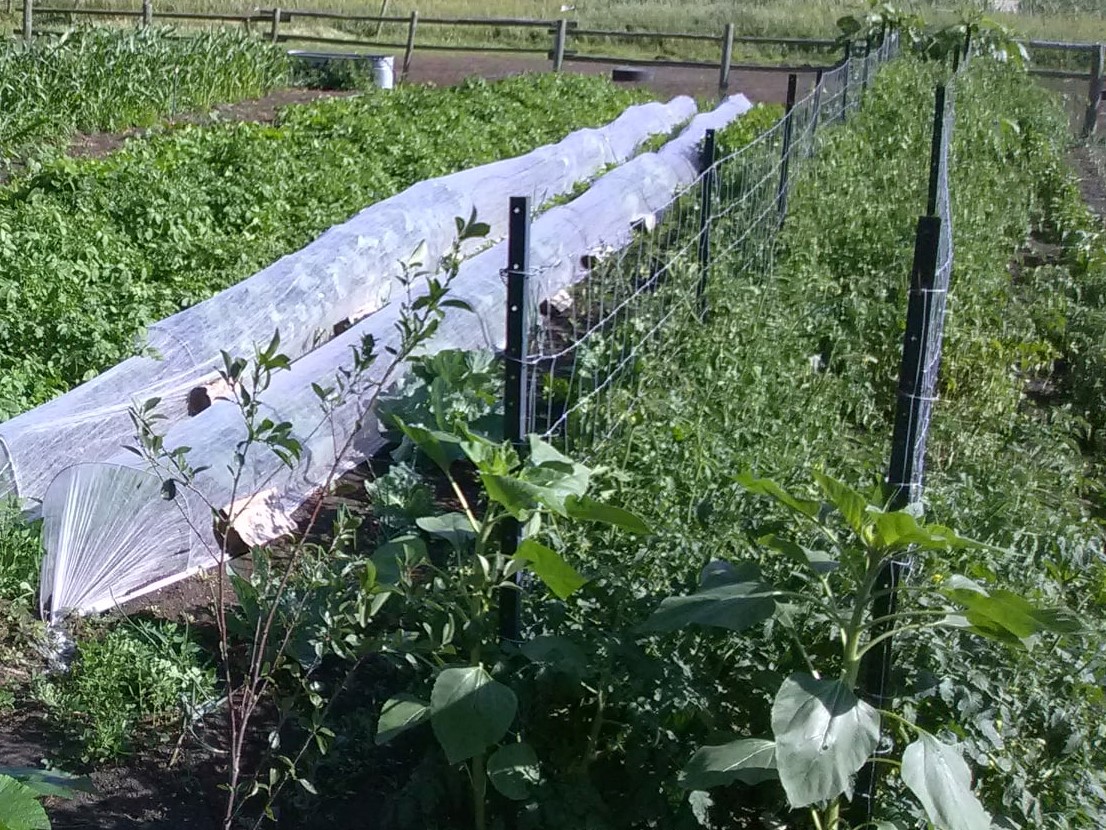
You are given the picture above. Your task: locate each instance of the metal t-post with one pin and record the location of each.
(706, 211)
(904, 476)
(515, 422)
(785, 158)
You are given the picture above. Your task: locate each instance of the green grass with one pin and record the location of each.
(135, 683)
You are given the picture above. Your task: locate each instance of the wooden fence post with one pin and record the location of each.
(383, 12)
(28, 20)
(560, 36)
(274, 35)
(147, 13)
(727, 59)
(1098, 58)
(409, 51)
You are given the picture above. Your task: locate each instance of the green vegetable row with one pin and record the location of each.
(92, 251)
(105, 80)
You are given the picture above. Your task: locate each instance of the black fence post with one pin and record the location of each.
(785, 160)
(867, 68)
(904, 475)
(706, 214)
(848, 76)
(514, 392)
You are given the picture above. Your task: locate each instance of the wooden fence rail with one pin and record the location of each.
(561, 32)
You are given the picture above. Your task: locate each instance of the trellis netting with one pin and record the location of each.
(345, 274)
(110, 533)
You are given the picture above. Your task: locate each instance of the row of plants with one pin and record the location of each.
(92, 80)
(94, 250)
(677, 659)
(800, 370)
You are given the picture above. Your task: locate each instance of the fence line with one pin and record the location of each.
(561, 32)
(583, 341)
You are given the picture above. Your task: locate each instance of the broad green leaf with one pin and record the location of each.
(733, 606)
(767, 487)
(898, 530)
(750, 761)
(720, 572)
(434, 445)
(818, 561)
(559, 652)
(455, 528)
(590, 510)
(516, 496)
(49, 781)
(824, 735)
(399, 714)
(852, 506)
(19, 809)
(542, 452)
(938, 776)
(397, 555)
(513, 770)
(548, 566)
(470, 711)
(1006, 616)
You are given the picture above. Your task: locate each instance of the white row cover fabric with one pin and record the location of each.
(110, 533)
(346, 273)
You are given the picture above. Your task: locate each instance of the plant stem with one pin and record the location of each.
(479, 792)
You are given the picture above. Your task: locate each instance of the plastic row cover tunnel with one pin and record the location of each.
(346, 273)
(109, 533)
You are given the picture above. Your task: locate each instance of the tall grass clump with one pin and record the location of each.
(106, 79)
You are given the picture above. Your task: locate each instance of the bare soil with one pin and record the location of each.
(445, 69)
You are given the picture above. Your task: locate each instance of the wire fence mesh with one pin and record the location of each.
(586, 341)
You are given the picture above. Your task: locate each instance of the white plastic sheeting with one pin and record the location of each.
(111, 535)
(347, 272)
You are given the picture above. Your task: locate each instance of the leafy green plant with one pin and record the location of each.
(130, 684)
(20, 554)
(469, 709)
(823, 733)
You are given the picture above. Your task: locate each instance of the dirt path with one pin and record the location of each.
(449, 69)
(703, 83)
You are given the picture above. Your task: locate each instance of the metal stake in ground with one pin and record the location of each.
(706, 212)
(514, 389)
(785, 159)
(904, 476)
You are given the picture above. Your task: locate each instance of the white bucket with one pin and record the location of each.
(383, 71)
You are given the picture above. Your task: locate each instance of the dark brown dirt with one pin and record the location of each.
(145, 793)
(768, 87)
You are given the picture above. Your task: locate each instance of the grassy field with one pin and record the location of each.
(1040, 19)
